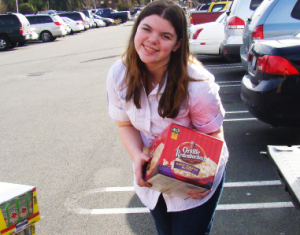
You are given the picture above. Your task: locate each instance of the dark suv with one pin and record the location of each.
(14, 28)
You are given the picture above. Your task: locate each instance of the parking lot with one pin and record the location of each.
(56, 135)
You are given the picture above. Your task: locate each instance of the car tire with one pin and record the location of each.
(119, 20)
(13, 44)
(4, 43)
(46, 36)
(53, 38)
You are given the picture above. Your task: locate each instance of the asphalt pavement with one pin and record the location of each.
(56, 135)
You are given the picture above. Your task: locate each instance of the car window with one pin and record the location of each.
(296, 11)
(100, 12)
(9, 20)
(47, 19)
(254, 4)
(217, 7)
(33, 20)
(204, 7)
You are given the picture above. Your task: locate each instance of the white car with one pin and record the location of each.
(76, 26)
(48, 27)
(206, 38)
(99, 23)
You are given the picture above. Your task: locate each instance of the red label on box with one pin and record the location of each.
(186, 155)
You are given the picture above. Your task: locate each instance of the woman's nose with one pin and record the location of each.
(153, 37)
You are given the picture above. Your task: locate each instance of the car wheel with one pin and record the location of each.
(13, 44)
(46, 36)
(119, 20)
(4, 43)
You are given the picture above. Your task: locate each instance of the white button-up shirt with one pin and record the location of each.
(203, 111)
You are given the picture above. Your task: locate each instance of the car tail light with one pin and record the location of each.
(57, 23)
(276, 65)
(81, 22)
(191, 20)
(236, 23)
(250, 56)
(258, 32)
(21, 30)
(195, 35)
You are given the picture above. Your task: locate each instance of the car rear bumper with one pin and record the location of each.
(205, 47)
(273, 101)
(59, 33)
(230, 51)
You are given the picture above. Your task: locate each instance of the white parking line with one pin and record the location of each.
(217, 65)
(220, 207)
(231, 67)
(72, 203)
(227, 184)
(237, 111)
(240, 119)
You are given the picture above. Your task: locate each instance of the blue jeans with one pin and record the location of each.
(195, 221)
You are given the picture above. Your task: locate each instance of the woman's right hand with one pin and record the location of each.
(139, 163)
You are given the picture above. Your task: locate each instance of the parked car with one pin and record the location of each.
(206, 38)
(99, 23)
(185, 9)
(215, 10)
(121, 17)
(48, 27)
(14, 28)
(134, 11)
(203, 7)
(272, 18)
(76, 26)
(271, 87)
(89, 15)
(238, 13)
(107, 21)
(76, 16)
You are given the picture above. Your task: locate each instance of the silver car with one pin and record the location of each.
(271, 19)
(238, 13)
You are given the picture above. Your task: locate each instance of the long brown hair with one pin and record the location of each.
(176, 89)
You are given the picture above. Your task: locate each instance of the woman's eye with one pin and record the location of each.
(146, 29)
(166, 37)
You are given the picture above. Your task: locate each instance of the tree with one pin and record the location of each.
(3, 7)
(26, 8)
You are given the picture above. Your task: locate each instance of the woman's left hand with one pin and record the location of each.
(196, 194)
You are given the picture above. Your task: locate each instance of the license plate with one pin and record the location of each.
(253, 62)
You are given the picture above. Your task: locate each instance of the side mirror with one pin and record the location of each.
(228, 13)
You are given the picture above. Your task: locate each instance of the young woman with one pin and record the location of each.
(157, 82)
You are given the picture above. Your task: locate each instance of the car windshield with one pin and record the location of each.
(217, 8)
(204, 7)
(100, 12)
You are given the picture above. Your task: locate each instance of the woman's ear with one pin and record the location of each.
(178, 44)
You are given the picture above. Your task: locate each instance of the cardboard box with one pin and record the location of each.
(19, 208)
(183, 159)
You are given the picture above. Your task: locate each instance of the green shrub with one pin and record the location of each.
(122, 7)
(26, 8)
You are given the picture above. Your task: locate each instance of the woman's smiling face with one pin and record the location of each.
(154, 41)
